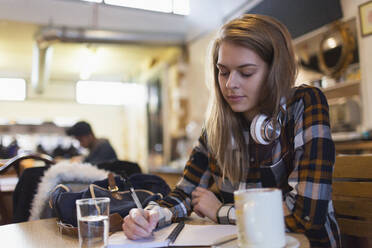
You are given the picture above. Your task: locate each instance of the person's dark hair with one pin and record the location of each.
(80, 128)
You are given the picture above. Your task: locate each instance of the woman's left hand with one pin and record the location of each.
(205, 203)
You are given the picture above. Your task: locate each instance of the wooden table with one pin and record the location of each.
(44, 233)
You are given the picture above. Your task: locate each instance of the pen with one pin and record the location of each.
(135, 198)
(176, 231)
(132, 192)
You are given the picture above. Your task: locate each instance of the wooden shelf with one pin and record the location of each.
(354, 146)
(342, 90)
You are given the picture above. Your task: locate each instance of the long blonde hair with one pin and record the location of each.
(272, 42)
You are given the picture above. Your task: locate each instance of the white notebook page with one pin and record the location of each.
(191, 235)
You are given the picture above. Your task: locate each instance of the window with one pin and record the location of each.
(93, 1)
(159, 5)
(110, 93)
(179, 7)
(12, 89)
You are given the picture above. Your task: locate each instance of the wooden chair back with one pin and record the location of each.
(352, 194)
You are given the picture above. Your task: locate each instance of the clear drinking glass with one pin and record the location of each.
(93, 221)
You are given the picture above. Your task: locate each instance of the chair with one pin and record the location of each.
(352, 196)
(120, 167)
(25, 190)
(14, 162)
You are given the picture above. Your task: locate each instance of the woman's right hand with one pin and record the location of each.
(140, 223)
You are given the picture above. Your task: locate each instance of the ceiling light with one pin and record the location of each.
(331, 43)
(90, 62)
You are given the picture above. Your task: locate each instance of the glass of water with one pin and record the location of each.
(93, 221)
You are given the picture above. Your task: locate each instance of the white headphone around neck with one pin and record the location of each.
(264, 129)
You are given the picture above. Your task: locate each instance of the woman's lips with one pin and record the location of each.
(235, 98)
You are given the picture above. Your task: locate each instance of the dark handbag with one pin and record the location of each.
(147, 187)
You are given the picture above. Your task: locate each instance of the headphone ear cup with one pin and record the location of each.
(257, 129)
(264, 130)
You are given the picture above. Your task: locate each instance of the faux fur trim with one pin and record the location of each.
(59, 173)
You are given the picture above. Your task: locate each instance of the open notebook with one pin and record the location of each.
(191, 235)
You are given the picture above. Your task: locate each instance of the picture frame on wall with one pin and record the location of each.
(365, 16)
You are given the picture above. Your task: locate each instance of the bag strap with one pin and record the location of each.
(116, 222)
(112, 184)
(112, 187)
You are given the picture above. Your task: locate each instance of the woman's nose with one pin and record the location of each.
(231, 82)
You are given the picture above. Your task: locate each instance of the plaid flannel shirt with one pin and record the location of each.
(300, 163)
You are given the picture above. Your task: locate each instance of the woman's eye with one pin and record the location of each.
(246, 74)
(223, 73)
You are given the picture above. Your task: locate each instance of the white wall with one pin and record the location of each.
(133, 133)
(198, 77)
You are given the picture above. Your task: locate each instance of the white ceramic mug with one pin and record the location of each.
(260, 218)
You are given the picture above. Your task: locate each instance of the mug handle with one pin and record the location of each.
(252, 229)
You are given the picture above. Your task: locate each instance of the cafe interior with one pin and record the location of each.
(138, 73)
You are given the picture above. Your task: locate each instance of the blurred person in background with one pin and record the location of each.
(100, 150)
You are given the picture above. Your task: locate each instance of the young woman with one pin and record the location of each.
(254, 74)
